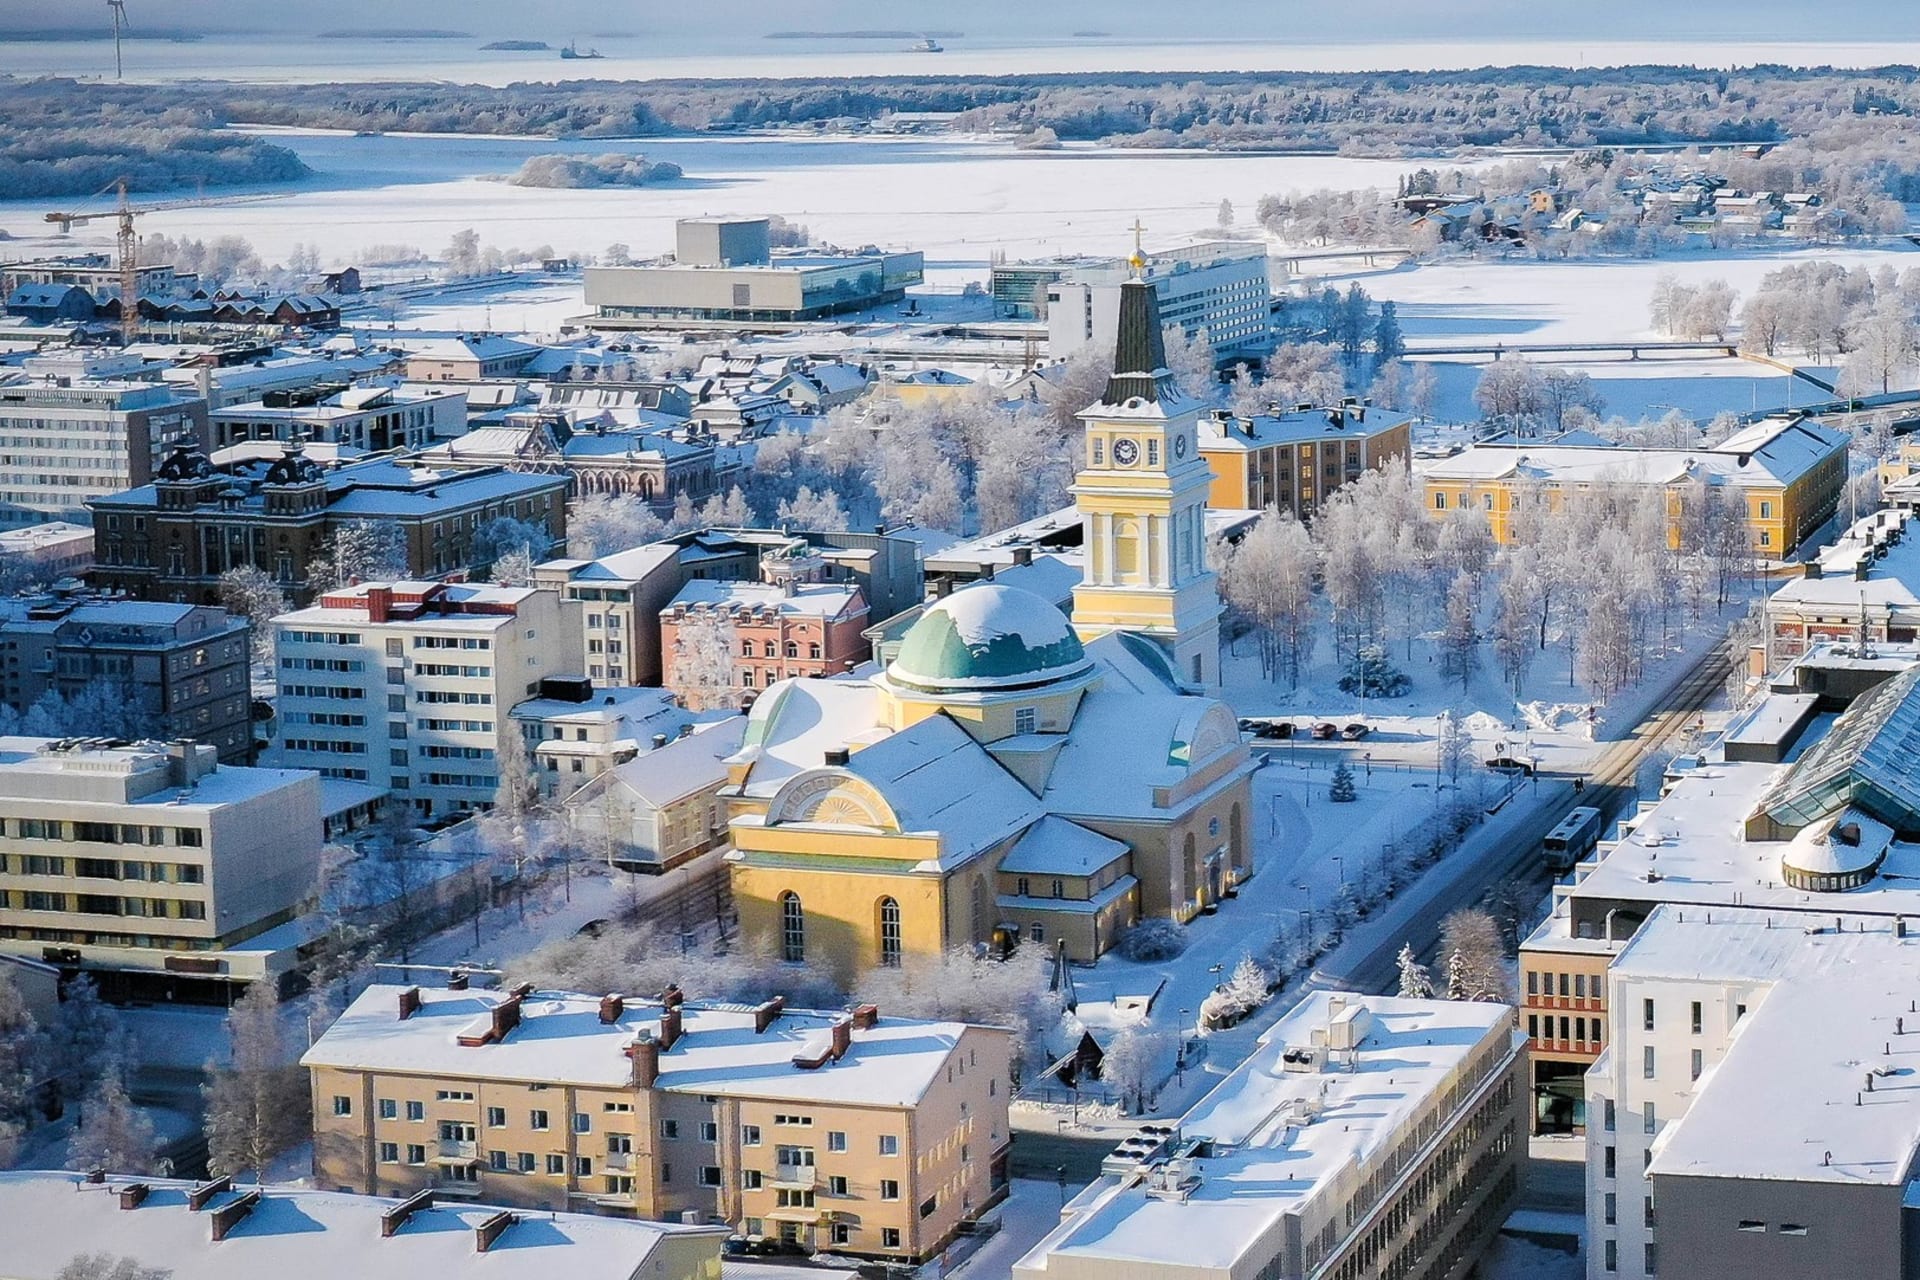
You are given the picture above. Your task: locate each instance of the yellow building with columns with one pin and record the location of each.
(1015, 776)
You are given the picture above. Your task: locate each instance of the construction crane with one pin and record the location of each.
(119, 10)
(129, 245)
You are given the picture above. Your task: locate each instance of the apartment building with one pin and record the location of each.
(1222, 288)
(471, 357)
(853, 1133)
(218, 1231)
(173, 538)
(796, 625)
(1295, 459)
(373, 418)
(1367, 1138)
(615, 609)
(408, 685)
(65, 442)
(150, 865)
(183, 667)
(46, 552)
(1784, 476)
(1752, 1119)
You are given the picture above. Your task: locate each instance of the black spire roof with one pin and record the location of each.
(1139, 352)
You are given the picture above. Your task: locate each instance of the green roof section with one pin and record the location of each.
(987, 637)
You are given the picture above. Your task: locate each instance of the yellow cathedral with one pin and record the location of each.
(1015, 777)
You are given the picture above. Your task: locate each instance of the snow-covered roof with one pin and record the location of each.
(1892, 582)
(989, 636)
(1169, 737)
(1055, 847)
(1774, 452)
(697, 762)
(1220, 434)
(936, 778)
(1821, 1009)
(796, 722)
(1286, 1142)
(294, 1233)
(828, 600)
(133, 773)
(561, 1040)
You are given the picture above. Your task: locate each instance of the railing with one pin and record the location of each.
(619, 1161)
(455, 1148)
(794, 1175)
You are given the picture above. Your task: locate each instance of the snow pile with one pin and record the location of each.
(1553, 715)
(1481, 724)
(986, 613)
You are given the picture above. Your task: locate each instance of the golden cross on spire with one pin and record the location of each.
(1139, 259)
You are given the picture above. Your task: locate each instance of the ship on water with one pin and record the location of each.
(573, 51)
(928, 45)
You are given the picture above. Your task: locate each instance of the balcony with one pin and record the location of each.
(800, 1176)
(457, 1151)
(617, 1161)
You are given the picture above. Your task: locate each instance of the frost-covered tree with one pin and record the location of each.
(816, 512)
(1511, 395)
(359, 551)
(1389, 344)
(1473, 937)
(112, 1133)
(1370, 675)
(83, 1037)
(504, 537)
(1137, 1061)
(105, 1266)
(1452, 747)
(1566, 396)
(258, 1105)
(1460, 640)
(1342, 790)
(602, 523)
(516, 798)
(1192, 363)
(1268, 579)
(1415, 982)
(700, 668)
(252, 593)
(1459, 977)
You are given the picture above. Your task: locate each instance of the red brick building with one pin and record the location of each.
(791, 625)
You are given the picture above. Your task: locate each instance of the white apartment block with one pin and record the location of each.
(66, 441)
(150, 864)
(575, 732)
(1753, 1115)
(1367, 1138)
(374, 418)
(408, 685)
(1222, 288)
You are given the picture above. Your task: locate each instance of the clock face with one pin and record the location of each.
(1180, 446)
(1125, 452)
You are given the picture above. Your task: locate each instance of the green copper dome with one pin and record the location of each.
(987, 637)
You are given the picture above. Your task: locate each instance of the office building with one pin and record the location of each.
(1863, 587)
(44, 553)
(150, 865)
(858, 1133)
(1220, 288)
(408, 686)
(1294, 459)
(66, 442)
(181, 669)
(173, 538)
(1367, 1136)
(219, 1231)
(725, 270)
(1784, 476)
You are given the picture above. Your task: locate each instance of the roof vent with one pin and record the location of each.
(488, 1232)
(133, 1195)
(393, 1219)
(837, 755)
(230, 1215)
(205, 1191)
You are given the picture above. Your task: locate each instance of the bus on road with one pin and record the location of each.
(1573, 839)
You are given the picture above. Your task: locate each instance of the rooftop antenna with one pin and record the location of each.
(119, 9)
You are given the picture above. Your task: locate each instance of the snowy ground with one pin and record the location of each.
(1025, 1216)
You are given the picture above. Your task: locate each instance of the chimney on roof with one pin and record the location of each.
(842, 1037)
(1860, 568)
(96, 1176)
(1023, 555)
(669, 1026)
(133, 1195)
(1811, 569)
(942, 587)
(611, 1007)
(457, 980)
(672, 997)
(659, 741)
(228, 1216)
(506, 1016)
(379, 603)
(765, 1014)
(487, 1232)
(866, 1017)
(837, 755)
(409, 1003)
(205, 1191)
(644, 1052)
(522, 991)
(394, 1218)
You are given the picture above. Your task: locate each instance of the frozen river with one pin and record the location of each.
(956, 199)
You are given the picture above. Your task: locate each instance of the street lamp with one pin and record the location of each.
(1368, 757)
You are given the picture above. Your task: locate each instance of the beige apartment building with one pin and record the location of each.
(145, 863)
(409, 685)
(853, 1133)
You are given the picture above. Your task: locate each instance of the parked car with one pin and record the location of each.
(1356, 731)
(1267, 728)
(1507, 764)
(1325, 731)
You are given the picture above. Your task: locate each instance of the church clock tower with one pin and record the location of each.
(1143, 497)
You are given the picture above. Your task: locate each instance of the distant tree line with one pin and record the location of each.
(64, 139)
